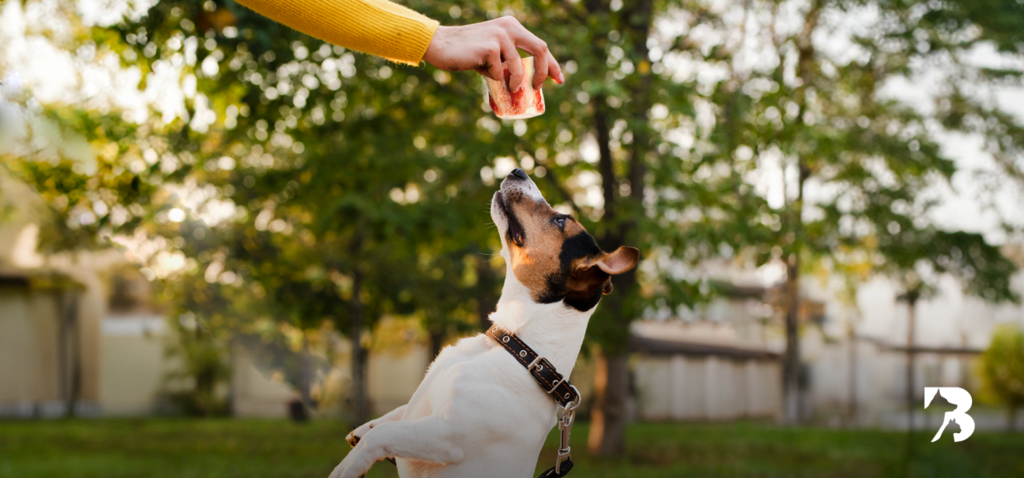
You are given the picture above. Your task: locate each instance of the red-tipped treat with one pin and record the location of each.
(527, 103)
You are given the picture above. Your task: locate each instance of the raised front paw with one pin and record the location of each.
(352, 439)
(347, 469)
(355, 435)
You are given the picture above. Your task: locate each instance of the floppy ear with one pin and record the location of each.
(598, 272)
(620, 261)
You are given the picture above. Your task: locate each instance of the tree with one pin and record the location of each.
(948, 32)
(853, 166)
(85, 160)
(350, 183)
(604, 156)
(351, 189)
(1002, 367)
(952, 32)
(269, 115)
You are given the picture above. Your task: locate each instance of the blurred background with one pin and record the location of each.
(224, 243)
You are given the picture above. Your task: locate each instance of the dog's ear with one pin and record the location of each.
(598, 271)
(618, 262)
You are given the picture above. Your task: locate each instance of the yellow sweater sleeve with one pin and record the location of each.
(377, 27)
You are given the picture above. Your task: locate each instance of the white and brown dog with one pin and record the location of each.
(478, 412)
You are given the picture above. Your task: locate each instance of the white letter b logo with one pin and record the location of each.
(959, 397)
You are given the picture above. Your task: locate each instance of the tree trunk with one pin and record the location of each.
(851, 410)
(911, 404)
(206, 379)
(608, 415)
(486, 301)
(608, 418)
(360, 407)
(69, 356)
(791, 400)
(305, 373)
(791, 357)
(436, 342)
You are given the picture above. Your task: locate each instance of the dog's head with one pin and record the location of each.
(551, 253)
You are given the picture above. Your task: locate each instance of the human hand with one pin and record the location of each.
(483, 46)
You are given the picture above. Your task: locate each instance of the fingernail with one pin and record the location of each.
(561, 78)
(518, 89)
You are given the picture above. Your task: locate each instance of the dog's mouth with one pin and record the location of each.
(515, 232)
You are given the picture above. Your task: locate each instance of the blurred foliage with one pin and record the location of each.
(1002, 368)
(204, 373)
(388, 149)
(856, 164)
(302, 183)
(89, 169)
(204, 322)
(324, 168)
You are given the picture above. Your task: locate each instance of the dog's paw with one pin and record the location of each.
(352, 439)
(357, 434)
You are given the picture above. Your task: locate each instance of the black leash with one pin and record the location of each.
(559, 387)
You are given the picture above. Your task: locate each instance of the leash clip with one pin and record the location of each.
(565, 428)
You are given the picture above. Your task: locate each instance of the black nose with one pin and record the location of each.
(519, 173)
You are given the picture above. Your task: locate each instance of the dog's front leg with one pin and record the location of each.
(357, 434)
(431, 439)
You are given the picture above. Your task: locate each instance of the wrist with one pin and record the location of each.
(435, 46)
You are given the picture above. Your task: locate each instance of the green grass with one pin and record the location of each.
(160, 448)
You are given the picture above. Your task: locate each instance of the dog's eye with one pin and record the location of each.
(560, 222)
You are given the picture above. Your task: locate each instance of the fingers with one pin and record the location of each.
(492, 67)
(540, 70)
(554, 70)
(514, 64)
(543, 59)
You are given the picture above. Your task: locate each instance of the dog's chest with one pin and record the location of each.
(479, 383)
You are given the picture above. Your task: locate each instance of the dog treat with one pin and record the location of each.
(508, 105)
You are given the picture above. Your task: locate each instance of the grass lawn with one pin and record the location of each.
(256, 449)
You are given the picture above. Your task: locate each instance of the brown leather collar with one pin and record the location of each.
(542, 371)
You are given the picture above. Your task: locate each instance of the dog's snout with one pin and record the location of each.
(518, 173)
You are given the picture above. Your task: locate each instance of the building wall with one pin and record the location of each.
(253, 394)
(133, 365)
(30, 355)
(392, 378)
(88, 268)
(875, 384)
(29, 333)
(705, 388)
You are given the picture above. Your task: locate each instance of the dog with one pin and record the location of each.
(479, 413)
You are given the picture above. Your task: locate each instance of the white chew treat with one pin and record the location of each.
(508, 105)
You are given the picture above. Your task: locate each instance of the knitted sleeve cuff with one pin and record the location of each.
(377, 27)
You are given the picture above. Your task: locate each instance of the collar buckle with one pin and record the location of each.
(536, 363)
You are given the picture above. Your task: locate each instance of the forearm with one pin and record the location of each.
(377, 27)
(357, 434)
(393, 415)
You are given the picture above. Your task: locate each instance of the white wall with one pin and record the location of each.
(705, 388)
(29, 335)
(132, 365)
(255, 395)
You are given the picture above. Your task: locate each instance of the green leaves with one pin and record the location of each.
(1002, 366)
(856, 167)
(665, 137)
